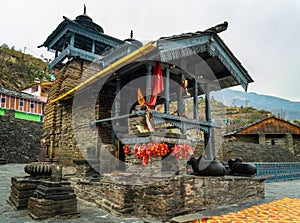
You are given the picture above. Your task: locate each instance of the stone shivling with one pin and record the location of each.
(117, 113)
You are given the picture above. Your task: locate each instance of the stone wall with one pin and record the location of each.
(251, 152)
(19, 139)
(296, 145)
(66, 129)
(164, 197)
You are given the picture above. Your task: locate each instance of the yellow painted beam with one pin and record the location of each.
(111, 68)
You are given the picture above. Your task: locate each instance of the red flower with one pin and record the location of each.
(144, 152)
(145, 160)
(126, 149)
(182, 151)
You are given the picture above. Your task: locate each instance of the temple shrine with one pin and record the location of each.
(117, 112)
(92, 67)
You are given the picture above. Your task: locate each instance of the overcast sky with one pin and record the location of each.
(263, 35)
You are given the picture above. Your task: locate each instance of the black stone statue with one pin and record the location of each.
(238, 167)
(204, 167)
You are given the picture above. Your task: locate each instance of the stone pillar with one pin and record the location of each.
(261, 138)
(289, 142)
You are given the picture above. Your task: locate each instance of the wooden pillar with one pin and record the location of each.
(93, 46)
(72, 39)
(180, 101)
(167, 92)
(64, 45)
(56, 53)
(196, 106)
(148, 83)
(208, 135)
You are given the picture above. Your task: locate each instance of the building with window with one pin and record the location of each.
(24, 106)
(39, 90)
(270, 131)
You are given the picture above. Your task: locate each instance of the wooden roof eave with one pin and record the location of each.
(230, 61)
(174, 48)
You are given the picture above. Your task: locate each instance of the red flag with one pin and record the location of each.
(157, 83)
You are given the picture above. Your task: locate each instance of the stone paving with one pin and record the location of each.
(283, 195)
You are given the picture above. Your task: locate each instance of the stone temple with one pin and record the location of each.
(117, 112)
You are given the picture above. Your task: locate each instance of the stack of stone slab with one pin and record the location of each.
(21, 190)
(53, 199)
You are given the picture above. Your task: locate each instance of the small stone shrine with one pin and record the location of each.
(52, 199)
(21, 190)
(118, 112)
(43, 192)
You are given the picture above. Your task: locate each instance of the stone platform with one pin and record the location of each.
(165, 196)
(22, 189)
(52, 199)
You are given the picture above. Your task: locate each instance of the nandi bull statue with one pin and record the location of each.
(238, 167)
(204, 167)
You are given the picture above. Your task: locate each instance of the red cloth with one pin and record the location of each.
(157, 83)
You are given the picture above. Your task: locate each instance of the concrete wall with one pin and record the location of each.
(19, 139)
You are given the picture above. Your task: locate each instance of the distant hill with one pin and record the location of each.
(280, 107)
(19, 70)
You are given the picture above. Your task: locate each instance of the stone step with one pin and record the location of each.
(186, 218)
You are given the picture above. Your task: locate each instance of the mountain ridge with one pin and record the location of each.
(280, 107)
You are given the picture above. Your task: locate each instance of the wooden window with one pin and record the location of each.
(21, 103)
(2, 100)
(32, 105)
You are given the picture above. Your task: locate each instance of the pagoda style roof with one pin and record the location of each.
(200, 55)
(84, 27)
(78, 38)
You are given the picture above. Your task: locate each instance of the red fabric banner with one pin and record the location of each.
(157, 83)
